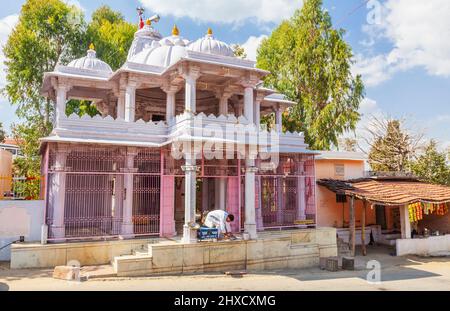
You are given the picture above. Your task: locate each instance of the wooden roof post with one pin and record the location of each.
(352, 239)
(363, 228)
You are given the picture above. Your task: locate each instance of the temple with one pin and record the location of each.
(179, 134)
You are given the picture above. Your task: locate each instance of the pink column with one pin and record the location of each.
(167, 207)
(233, 202)
(259, 218)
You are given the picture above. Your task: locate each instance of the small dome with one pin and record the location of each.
(90, 62)
(163, 53)
(209, 45)
(143, 39)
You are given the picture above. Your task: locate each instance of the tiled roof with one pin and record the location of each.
(389, 191)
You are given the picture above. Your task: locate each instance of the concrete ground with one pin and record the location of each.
(397, 273)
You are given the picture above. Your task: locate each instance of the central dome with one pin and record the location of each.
(163, 53)
(90, 62)
(209, 45)
(143, 39)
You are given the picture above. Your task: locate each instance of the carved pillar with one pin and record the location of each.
(257, 112)
(121, 104)
(223, 102)
(250, 202)
(171, 92)
(191, 77)
(127, 230)
(130, 102)
(59, 190)
(190, 171)
(301, 191)
(279, 119)
(248, 103)
(61, 99)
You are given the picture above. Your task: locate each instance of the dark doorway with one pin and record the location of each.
(380, 211)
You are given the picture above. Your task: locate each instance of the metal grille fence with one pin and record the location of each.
(95, 190)
(286, 189)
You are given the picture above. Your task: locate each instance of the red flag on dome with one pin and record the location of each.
(141, 11)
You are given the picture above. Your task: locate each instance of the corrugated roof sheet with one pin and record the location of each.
(389, 191)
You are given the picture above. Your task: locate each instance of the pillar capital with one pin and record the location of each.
(251, 169)
(249, 82)
(190, 168)
(259, 98)
(190, 72)
(170, 88)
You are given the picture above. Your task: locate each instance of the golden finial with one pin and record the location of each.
(148, 22)
(92, 47)
(210, 32)
(175, 31)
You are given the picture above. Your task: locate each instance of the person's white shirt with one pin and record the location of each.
(218, 219)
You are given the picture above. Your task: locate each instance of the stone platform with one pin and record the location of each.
(35, 255)
(293, 249)
(272, 250)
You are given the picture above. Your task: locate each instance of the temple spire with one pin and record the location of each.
(175, 31)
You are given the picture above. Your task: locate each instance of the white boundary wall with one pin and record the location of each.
(20, 218)
(425, 247)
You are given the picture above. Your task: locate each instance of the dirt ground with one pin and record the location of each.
(397, 273)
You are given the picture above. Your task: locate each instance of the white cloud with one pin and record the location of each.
(75, 3)
(251, 46)
(226, 11)
(6, 26)
(418, 31)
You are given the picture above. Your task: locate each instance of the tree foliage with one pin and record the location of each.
(432, 165)
(310, 63)
(2, 133)
(239, 51)
(391, 146)
(49, 32)
(348, 144)
(111, 34)
(81, 107)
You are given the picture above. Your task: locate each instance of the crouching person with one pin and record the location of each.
(221, 220)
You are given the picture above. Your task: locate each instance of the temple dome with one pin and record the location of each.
(163, 53)
(208, 44)
(90, 62)
(143, 39)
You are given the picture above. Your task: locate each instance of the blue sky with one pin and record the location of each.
(401, 47)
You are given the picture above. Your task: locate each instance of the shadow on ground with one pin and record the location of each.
(6, 274)
(392, 268)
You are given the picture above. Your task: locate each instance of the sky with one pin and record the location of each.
(401, 47)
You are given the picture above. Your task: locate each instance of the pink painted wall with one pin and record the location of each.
(6, 161)
(167, 214)
(233, 202)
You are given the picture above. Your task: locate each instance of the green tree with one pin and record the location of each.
(2, 133)
(391, 146)
(310, 62)
(432, 165)
(111, 35)
(239, 51)
(348, 144)
(49, 32)
(28, 165)
(81, 107)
